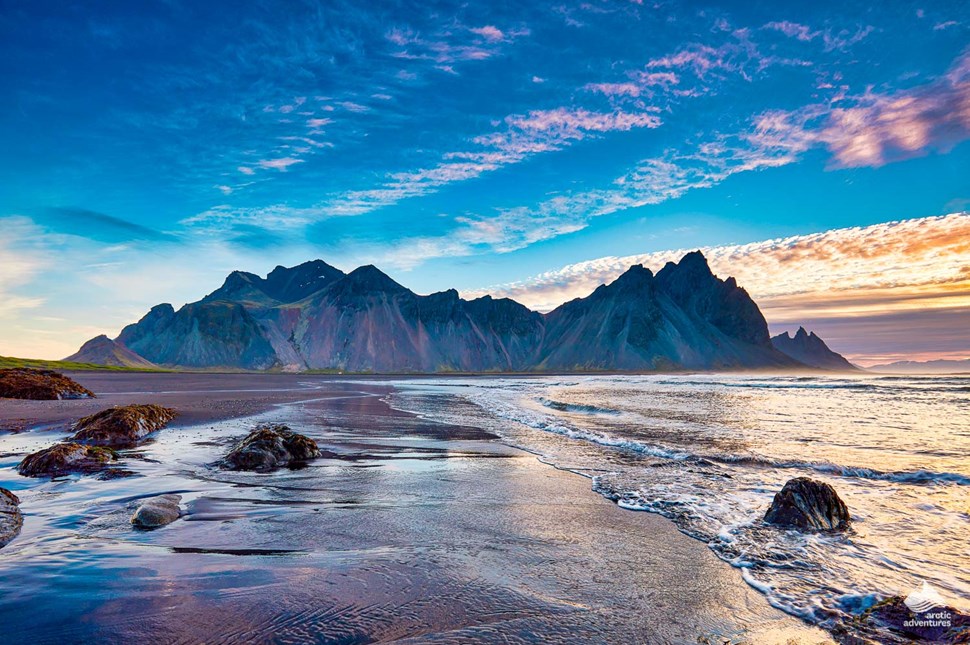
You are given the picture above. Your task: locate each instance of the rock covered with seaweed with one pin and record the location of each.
(64, 459)
(40, 385)
(122, 425)
(268, 447)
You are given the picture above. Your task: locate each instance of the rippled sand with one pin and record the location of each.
(419, 532)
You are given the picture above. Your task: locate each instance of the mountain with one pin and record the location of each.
(811, 350)
(924, 367)
(684, 317)
(104, 351)
(314, 316)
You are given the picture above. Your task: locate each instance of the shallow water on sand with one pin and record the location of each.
(709, 452)
(417, 532)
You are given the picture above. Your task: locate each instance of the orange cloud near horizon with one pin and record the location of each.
(919, 267)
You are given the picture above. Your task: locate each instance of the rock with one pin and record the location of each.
(10, 518)
(808, 504)
(157, 511)
(39, 385)
(65, 458)
(939, 624)
(123, 425)
(269, 447)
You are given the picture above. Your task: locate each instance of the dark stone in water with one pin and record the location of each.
(157, 511)
(10, 518)
(935, 625)
(123, 425)
(40, 385)
(65, 458)
(116, 473)
(269, 447)
(809, 505)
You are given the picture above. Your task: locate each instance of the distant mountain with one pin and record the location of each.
(314, 316)
(682, 318)
(925, 367)
(104, 351)
(811, 350)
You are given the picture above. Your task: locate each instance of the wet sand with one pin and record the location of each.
(418, 532)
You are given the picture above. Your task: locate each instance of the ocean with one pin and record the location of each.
(710, 451)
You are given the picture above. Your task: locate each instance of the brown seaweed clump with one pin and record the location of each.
(40, 385)
(123, 425)
(269, 447)
(64, 459)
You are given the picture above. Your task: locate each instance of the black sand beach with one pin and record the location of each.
(416, 532)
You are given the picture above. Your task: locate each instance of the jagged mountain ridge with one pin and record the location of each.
(314, 316)
(811, 350)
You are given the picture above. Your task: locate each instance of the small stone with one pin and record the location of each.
(157, 511)
(808, 504)
(122, 425)
(10, 517)
(65, 458)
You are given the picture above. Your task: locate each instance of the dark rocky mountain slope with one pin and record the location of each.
(811, 350)
(314, 316)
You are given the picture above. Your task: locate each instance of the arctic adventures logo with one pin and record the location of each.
(929, 607)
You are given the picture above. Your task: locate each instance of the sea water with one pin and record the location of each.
(710, 451)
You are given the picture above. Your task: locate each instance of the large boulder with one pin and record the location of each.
(10, 518)
(41, 385)
(810, 505)
(269, 447)
(123, 425)
(65, 458)
(157, 511)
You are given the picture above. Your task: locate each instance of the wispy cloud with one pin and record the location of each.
(280, 164)
(100, 226)
(524, 135)
(832, 39)
(452, 44)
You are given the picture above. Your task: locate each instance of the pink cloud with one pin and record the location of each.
(316, 124)
(245, 170)
(884, 128)
(489, 32)
(793, 30)
(571, 123)
(614, 89)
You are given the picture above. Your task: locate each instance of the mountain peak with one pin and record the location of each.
(636, 274)
(296, 283)
(692, 264)
(369, 278)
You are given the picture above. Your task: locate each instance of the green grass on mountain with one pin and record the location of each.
(8, 362)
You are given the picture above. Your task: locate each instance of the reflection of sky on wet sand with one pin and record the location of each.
(409, 535)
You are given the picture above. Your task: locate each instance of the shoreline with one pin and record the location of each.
(457, 535)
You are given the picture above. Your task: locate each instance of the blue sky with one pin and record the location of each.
(151, 147)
